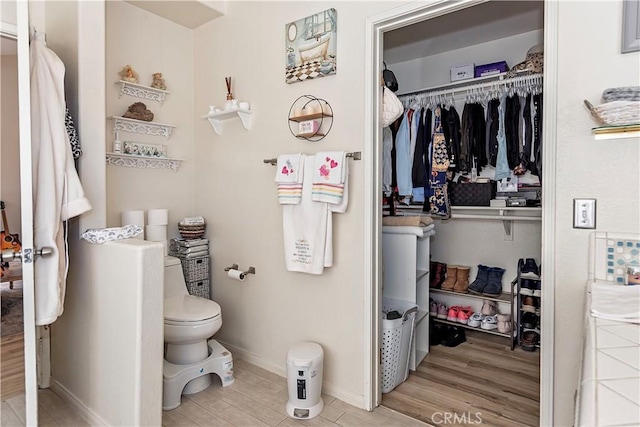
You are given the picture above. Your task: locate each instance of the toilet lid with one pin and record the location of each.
(189, 308)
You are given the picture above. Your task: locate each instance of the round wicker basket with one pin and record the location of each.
(192, 231)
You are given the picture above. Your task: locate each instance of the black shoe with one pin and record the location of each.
(527, 286)
(529, 340)
(530, 270)
(453, 336)
(529, 320)
(435, 332)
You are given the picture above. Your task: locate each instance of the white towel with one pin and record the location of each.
(288, 168)
(329, 174)
(305, 229)
(615, 302)
(289, 174)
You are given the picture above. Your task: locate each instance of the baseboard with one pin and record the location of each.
(89, 416)
(327, 388)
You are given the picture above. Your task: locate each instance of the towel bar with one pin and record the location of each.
(357, 155)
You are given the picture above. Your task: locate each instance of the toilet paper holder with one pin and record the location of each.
(251, 270)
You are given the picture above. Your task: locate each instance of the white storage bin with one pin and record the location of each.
(397, 338)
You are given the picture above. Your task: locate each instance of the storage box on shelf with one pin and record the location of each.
(195, 259)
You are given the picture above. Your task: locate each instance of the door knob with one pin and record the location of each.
(10, 255)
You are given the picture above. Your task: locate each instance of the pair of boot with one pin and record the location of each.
(488, 281)
(437, 274)
(457, 278)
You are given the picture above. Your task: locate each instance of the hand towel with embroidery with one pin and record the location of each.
(289, 176)
(329, 176)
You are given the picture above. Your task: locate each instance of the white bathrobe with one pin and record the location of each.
(57, 192)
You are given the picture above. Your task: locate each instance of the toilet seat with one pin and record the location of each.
(189, 309)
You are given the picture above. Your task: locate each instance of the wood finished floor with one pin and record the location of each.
(257, 398)
(11, 366)
(481, 379)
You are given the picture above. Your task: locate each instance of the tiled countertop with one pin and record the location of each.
(609, 393)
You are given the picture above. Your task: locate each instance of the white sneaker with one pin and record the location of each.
(489, 323)
(476, 319)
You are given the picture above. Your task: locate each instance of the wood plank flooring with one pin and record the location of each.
(481, 379)
(11, 366)
(257, 398)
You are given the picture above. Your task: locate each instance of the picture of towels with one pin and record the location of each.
(329, 175)
(289, 175)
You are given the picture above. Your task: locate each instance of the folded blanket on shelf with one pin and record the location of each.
(415, 221)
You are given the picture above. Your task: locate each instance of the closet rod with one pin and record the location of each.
(464, 86)
(356, 155)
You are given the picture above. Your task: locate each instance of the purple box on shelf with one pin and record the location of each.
(490, 69)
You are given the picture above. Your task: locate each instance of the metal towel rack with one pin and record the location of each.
(356, 155)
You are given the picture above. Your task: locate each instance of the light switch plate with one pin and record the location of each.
(584, 213)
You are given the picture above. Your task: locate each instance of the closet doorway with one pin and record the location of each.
(451, 30)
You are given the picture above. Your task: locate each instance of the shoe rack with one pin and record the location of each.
(505, 297)
(520, 310)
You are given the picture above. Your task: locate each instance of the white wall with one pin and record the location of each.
(151, 44)
(434, 70)
(107, 347)
(606, 170)
(10, 142)
(270, 311)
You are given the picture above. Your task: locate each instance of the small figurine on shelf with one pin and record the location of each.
(158, 82)
(229, 104)
(138, 111)
(128, 74)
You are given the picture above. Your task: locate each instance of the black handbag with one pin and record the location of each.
(389, 78)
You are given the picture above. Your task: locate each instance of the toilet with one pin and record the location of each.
(190, 355)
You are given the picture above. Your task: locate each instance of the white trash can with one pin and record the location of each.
(304, 380)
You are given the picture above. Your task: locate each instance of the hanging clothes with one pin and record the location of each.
(512, 124)
(502, 164)
(74, 141)
(57, 192)
(536, 167)
(419, 170)
(437, 202)
(403, 156)
(387, 170)
(473, 141)
(453, 136)
(492, 142)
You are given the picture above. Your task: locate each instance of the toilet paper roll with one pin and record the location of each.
(236, 275)
(166, 247)
(133, 218)
(156, 233)
(157, 217)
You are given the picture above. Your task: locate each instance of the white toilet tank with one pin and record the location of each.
(174, 284)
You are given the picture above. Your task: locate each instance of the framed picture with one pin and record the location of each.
(310, 47)
(134, 148)
(631, 26)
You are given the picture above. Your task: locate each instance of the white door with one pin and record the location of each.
(26, 200)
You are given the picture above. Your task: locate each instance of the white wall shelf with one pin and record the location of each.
(141, 91)
(122, 124)
(505, 214)
(616, 132)
(406, 265)
(143, 162)
(216, 119)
